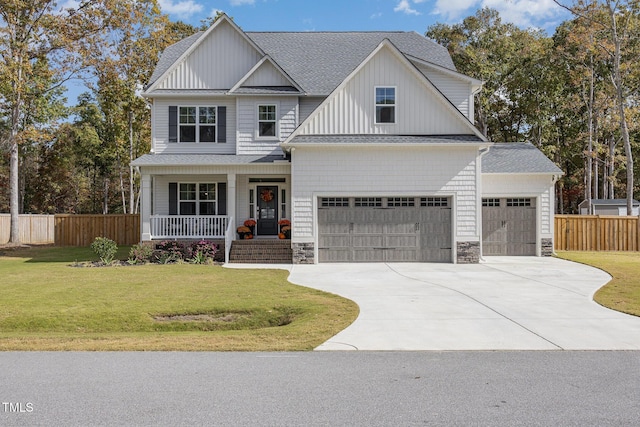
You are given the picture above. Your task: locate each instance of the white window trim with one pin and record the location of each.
(197, 124)
(257, 110)
(395, 106)
(197, 200)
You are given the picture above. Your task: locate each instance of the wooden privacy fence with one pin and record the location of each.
(597, 233)
(34, 229)
(81, 230)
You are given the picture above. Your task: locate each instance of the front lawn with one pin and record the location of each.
(623, 292)
(48, 304)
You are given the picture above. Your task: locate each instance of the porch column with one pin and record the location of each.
(231, 196)
(145, 219)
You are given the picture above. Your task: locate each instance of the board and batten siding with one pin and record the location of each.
(267, 75)
(523, 185)
(458, 91)
(351, 110)
(160, 125)
(248, 141)
(385, 171)
(218, 62)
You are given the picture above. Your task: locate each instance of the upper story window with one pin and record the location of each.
(197, 124)
(194, 124)
(385, 104)
(267, 121)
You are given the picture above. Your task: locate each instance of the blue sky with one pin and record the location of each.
(363, 15)
(355, 15)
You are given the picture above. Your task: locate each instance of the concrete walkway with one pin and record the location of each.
(505, 303)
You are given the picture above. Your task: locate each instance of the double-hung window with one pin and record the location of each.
(385, 105)
(267, 121)
(197, 199)
(197, 124)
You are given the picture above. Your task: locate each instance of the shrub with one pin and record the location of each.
(105, 249)
(202, 252)
(141, 253)
(170, 251)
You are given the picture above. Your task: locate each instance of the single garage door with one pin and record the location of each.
(384, 229)
(508, 226)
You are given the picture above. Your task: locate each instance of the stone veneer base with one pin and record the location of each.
(303, 253)
(546, 247)
(468, 252)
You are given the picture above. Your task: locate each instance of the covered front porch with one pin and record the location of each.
(185, 202)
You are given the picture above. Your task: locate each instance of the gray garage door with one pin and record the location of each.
(384, 229)
(508, 226)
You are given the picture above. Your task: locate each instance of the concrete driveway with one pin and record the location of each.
(505, 303)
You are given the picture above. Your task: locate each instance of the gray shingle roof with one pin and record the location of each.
(384, 139)
(202, 159)
(319, 61)
(171, 55)
(608, 202)
(517, 158)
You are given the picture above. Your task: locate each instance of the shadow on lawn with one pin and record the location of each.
(49, 253)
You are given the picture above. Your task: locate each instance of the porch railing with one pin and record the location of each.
(188, 227)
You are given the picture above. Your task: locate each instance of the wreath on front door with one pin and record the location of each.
(266, 195)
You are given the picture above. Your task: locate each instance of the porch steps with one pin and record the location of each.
(256, 251)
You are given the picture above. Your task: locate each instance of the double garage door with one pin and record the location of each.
(508, 226)
(384, 229)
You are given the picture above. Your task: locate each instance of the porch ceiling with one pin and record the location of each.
(205, 159)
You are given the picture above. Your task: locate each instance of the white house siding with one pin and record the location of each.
(267, 75)
(248, 141)
(352, 109)
(220, 60)
(523, 185)
(458, 91)
(307, 104)
(160, 142)
(403, 171)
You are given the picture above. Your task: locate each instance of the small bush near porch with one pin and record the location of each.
(47, 304)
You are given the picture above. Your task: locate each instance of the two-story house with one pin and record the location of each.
(363, 140)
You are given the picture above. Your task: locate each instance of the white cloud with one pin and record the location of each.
(523, 13)
(375, 15)
(405, 6)
(526, 13)
(453, 10)
(181, 9)
(241, 2)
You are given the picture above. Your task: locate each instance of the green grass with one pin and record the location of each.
(47, 304)
(623, 292)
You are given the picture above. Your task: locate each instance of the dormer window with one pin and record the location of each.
(385, 105)
(267, 121)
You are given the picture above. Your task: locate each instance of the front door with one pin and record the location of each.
(267, 210)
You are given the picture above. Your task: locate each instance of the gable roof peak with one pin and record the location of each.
(197, 41)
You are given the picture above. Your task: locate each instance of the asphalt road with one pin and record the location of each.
(541, 388)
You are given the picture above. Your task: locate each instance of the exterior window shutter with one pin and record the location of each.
(222, 198)
(222, 124)
(173, 198)
(173, 123)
